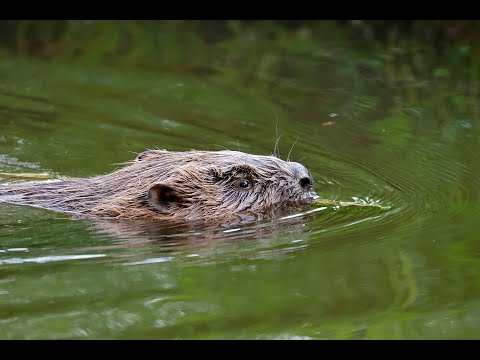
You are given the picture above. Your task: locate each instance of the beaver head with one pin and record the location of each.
(192, 185)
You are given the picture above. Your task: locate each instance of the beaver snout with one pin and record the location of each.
(300, 172)
(305, 181)
(307, 184)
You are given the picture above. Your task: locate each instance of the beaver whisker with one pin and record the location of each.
(220, 146)
(288, 156)
(276, 149)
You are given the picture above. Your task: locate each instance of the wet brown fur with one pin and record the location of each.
(192, 185)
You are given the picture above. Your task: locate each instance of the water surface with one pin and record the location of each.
(328, 273)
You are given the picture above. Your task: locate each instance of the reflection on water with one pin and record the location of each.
(45, 259)
(185, 237)
(374, 126)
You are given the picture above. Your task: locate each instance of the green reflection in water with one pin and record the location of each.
(380, 114)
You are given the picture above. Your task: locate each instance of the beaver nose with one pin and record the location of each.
(305, 182)
(301, 172)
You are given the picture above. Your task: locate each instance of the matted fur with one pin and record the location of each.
(200, 185)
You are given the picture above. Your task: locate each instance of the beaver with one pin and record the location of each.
(193, 185)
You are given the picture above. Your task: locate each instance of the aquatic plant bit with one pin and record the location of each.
(326, 202)
(43, 175)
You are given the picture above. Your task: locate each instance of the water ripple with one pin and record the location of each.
(47, 259)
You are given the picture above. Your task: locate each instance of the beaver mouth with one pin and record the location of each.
(313, 195)
(295, 204)
(309, 198)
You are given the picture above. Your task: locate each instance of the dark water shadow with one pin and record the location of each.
(179, 236)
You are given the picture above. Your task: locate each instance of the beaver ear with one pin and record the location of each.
(161, 196)
(146, 153)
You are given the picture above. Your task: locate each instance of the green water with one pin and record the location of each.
(369, 124)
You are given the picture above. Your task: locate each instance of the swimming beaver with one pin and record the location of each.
(192, 185)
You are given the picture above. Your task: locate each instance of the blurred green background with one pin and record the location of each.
(381, 111)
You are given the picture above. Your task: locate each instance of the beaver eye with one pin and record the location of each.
(245, 184)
